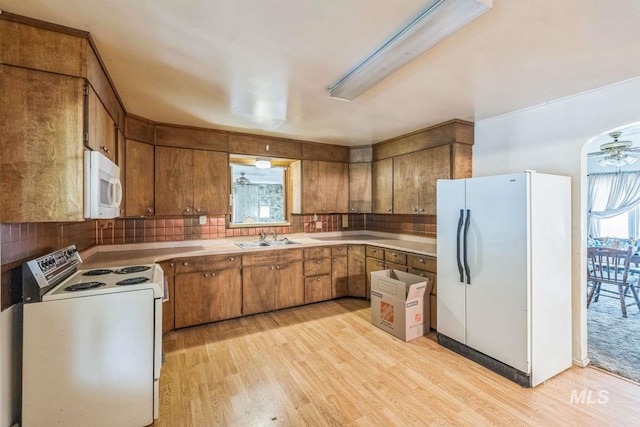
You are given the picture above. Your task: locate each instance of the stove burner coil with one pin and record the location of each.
(84, 286)
(133, 281)
(133, 269)
(98, 272)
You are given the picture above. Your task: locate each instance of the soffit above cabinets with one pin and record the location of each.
(264, 66)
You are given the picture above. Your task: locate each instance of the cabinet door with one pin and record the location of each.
(372, 264)
(259, 289)
(139, 178)
(210, 182)
(335, 188)
(224, 289)
(360, 187)
(123, 169)
(191, 305)
(290, 285)
(174, 181)
(100, 127)
(43, 134)
(317, 288)
(339, 277)
(405, 184)
(357, 272)
(382, 186)
(168, 307)
(433, 164)
(311, 190)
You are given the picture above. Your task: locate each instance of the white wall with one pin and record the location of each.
(552, 138)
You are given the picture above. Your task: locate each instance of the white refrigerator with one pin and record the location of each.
(504, 272)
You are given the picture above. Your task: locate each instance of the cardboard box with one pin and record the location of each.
(398, 303)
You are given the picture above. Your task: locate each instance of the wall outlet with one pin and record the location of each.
(318, 225)
(345, 221)
(202, 219)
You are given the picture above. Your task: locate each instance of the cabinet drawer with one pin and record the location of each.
(315, 267)
(433, 278)
(318, 252)
(339, 250)
(207, 263)
(272, 257)
(395, 257)
(375, 252)
(422, 262)
(394, 266)
(317, 289)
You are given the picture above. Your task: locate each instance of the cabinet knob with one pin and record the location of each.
(373, 250)
(388, 209)
(421, 209)
(171, 265)
(277, 267)
(421, 260)
(340, 248)
(187, 210)
(185, 263)
(149, 210)
(232, 259)
(206, 274)
(213, 274)
(415, 209)
(273, 267)
(318, 279)
(350, 248)
(197, 210)
(394, 255)
(105, 149)
(318, 262)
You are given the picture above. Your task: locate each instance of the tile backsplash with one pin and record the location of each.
(20, 243)
(23, 242)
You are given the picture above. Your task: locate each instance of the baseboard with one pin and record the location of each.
(496, 366)
(581, 363)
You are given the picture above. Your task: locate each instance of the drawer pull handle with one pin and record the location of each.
(206, 274)
(318, 262)
(185, 263)
(232, 259)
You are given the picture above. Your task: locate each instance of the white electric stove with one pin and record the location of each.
(92, 342)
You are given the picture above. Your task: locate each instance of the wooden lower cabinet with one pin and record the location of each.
(339, 277)
(372, 264)
(317, 288)
(207, 296)
(271, 287)
(168, 306)
(356, 283)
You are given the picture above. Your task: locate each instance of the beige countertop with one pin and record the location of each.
(148, 253)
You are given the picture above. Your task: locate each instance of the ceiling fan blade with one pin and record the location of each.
(599, 153)
(633, 149)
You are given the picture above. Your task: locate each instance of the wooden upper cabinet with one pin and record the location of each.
(139, 178)
(100, 130)
(324, 187)
(360, 187)
(120, 160)
(41, 169)
(173, 181)
(190, 137)
(210, 182)
(414, 179)
(191, 182)
(382, 186)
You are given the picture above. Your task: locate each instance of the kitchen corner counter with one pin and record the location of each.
(147, 253)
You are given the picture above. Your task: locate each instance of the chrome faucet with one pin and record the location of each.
(273, 233)
(263, 236)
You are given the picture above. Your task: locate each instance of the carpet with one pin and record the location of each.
(613, 341)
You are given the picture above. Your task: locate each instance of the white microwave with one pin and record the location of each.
(103, 189)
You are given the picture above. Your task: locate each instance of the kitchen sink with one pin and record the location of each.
(248, 245)
(282, 242)
(252, 244)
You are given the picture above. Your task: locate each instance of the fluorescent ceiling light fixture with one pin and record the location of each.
(263, 163)
(439, 21)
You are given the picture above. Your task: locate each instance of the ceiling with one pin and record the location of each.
(263, 66)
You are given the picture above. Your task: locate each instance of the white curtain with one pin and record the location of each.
(610, 195)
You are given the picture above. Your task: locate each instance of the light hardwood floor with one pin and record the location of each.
(325, 364)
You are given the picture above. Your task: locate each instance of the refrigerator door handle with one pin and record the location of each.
(464, 247)
(460, 222)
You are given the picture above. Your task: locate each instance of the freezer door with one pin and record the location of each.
(451, 287)
(496, 299)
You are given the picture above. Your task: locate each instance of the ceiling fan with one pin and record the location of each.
(616, 152)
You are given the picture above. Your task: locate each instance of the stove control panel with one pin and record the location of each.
(52, 268)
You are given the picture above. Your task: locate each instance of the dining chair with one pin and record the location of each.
(608, 275)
